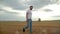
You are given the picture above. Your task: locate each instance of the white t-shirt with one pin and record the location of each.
(29, 14)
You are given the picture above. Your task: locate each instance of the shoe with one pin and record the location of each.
(23, 30)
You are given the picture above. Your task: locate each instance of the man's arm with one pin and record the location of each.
(26, 16)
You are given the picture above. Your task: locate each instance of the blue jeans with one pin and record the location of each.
(29, 24)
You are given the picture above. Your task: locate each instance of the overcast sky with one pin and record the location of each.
(16, 9)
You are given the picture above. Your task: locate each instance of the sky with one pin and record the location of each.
(15, 10)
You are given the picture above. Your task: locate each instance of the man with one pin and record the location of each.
(29, 19)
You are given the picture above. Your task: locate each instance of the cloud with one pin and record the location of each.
(39, 3)
(8, 11)
(56, 16)
(14, 4)
(10, 16)
(47, 10)
(23, 4)
(11, 12)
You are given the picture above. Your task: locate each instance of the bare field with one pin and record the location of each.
(44, 27)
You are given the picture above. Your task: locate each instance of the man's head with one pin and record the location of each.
(31, 7)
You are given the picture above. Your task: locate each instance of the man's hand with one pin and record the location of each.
(26, 20)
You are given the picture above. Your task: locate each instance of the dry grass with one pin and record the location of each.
(45, 27)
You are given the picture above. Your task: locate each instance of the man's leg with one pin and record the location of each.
(26, 26)
(30, 26)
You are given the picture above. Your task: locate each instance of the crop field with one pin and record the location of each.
(44, 27)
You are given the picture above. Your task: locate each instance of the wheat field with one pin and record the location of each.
(44, 27)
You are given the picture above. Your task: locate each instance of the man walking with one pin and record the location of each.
(29, 19)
